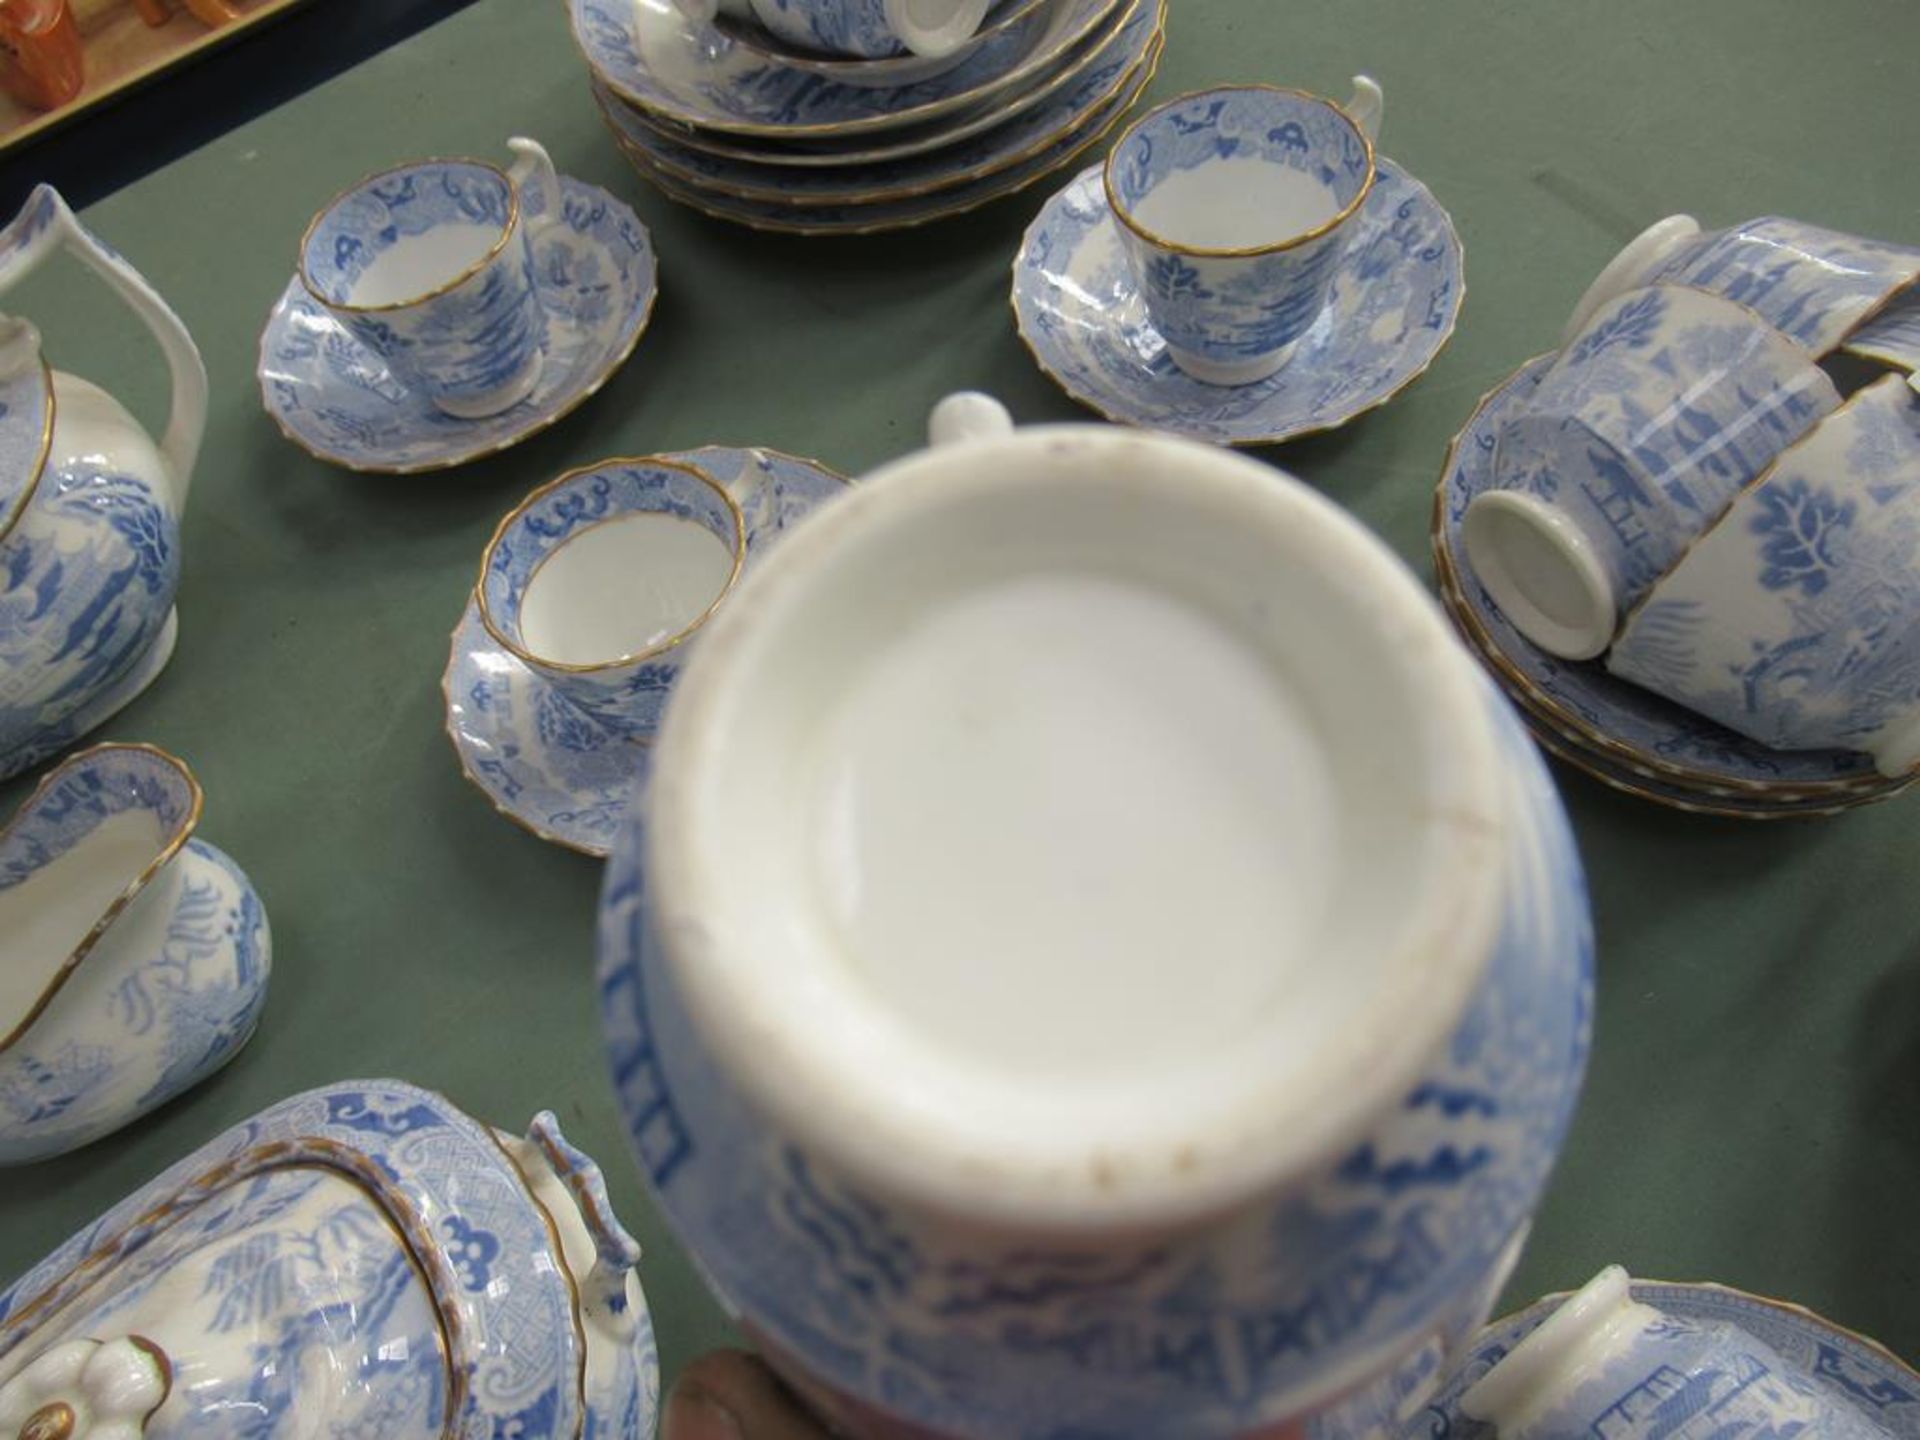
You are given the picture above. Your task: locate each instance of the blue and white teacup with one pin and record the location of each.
(598, 579)
(870, 29)
(1813, 284)
(1646, 426)
(1234, 206)
(430, 265)
(1606, 1364)
(1796, 619)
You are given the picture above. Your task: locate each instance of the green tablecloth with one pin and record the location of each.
(1753, 1110)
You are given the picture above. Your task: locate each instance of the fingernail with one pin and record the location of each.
(695, 1413)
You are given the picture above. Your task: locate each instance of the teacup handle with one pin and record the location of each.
(46, 224)
(1631, 268)
(534, 178)
(1367, 107)
(967, 415)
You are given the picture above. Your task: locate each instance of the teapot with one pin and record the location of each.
(89, 508)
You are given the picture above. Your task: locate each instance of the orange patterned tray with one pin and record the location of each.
(123, 50)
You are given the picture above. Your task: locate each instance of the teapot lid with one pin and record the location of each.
(26, 418)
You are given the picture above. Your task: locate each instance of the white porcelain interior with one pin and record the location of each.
(1542, 571)
(1590, 1328)
(623, 587)
(45, 918)
(1141, 889)
(1631, 268)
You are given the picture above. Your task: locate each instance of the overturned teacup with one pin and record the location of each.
(1606, 1364)
(599, 578)
(1234, 207)
(430, 265)
(1795, 620)
(1813, 284)
(1649, 422)
(871, 29)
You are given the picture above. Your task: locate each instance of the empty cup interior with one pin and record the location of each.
(84, 841)
(610, 564)
(1239, 169)
(401, 237)
(1101, 809)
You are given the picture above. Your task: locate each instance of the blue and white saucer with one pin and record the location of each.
(1115, 62)
(1854, 1370)
(546, 764)
(651, 56)
(1629, 737)
(881, 215)
(338, 401)
(1393, 305)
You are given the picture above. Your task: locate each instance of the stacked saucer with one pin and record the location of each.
(1625, 736)
(729, 119)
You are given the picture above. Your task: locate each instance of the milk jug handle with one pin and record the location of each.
(46, 224)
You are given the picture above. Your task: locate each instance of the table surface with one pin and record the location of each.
(1753, 1110)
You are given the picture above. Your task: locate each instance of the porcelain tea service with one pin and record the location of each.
(1608, 1363)
(936, 872)
(363, 1257)
(90, 508)
(1347, 285)
(1640, 1358)
(872, 29)
(134, 956)
(345, 383)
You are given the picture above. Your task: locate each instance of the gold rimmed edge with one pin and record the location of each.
(1099, 36)
(453, 658)
(174, 843)
(32, 487)
(645, 653)
(908, 192)
(1569, 722)
(345, 308)
(827, 66)
(1252, 441)
(680, 196)
(1037, 60)
(428, 467)
(1238, 252)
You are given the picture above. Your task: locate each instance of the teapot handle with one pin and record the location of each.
(47, 224)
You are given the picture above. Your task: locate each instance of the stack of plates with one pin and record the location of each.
(1627, 737)
(734, 123)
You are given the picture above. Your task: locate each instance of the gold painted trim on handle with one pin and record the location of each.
(171, 847)
(1206, 252)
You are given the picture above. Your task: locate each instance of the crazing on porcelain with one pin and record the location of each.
(1853, 1378)
(546, 763)
(1649, 423)
(1229, 308)
(645, 52)
(597, 277)
(1796, 619)
(1611, 715)
(362, 1260)
(887, 215)
(89, 510)
(996, 149)
(465, 329)
(1391, 308)
(163, 989)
